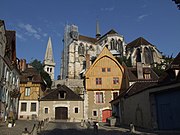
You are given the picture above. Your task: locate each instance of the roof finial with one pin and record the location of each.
(98, 35)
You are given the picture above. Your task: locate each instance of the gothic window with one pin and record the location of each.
(120, 46)
(113, 45)
(147, 56)
(81, 49)
(138, 55)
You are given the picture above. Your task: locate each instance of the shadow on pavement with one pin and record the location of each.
(57, 131)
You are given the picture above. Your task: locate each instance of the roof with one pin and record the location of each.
(138, 42)
(169, 75)
(104, 53)
(112, 31)
(87, 39)
(135, 89)
(132, 74)
(139, 87)
(53, 95)
(30, 72)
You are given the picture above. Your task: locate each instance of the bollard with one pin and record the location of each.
(25, 132)
(132, 129)
(95, 128)
(82, 123)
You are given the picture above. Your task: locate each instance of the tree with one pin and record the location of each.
(159, 68)
(39, 67)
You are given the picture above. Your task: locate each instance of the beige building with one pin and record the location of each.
(61, 103)
(103, 81)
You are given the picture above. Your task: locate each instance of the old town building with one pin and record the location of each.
(31, 89)
(103, 81)
(9, 74)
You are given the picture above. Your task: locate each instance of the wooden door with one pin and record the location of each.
(61, 113)
(106, 114)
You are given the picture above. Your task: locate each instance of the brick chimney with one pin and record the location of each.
(22, 64)
(87, 61)
(139, 70)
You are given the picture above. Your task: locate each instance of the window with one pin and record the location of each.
(115, 80)
(23, 107)
(76, 110)
(103, 69)
(81, 49)
(46, 110)
(98, 80)
(115, 95)
(30, 78)
(50, 69)
(33, 107)
(94, 113)
(61, 94)
(47, 69)
(147, 76)
(108, 69)
(99, 97)
(27, 91)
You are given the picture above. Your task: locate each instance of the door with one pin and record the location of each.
(168, 110)
(61, 113)
(106, 114)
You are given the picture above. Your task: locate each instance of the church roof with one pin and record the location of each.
(112, 31)
(138, 42)
(49, 52)
(87, 39)
(53, 95)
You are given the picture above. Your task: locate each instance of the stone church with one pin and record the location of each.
(79, 48)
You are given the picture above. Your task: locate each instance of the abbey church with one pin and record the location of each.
(80, 51)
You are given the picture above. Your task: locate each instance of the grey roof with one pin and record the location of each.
(53, 94)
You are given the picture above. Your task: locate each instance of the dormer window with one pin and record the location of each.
(30, 78)
(61, 95)
(147, 76)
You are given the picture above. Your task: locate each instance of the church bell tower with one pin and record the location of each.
(49, 63)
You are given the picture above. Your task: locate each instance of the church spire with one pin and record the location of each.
(49, 53)
(49, 63)
(98, 34)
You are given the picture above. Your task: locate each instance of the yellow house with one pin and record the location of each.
(31, 88)
(103, 81)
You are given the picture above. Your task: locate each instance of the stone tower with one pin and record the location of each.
(49, 63)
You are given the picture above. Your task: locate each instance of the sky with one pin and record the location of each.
(34, 21)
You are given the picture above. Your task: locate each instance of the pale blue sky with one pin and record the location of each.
(34, 21)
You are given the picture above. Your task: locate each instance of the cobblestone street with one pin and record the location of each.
(16, 130)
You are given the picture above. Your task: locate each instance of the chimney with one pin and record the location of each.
(22, 64)
(139, 70)
(87, 61)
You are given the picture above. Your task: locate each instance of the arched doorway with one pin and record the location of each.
(61, 113)
(106, 114)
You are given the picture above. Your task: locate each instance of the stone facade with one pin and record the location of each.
(71, 105)
(79, 48)
(9, 74)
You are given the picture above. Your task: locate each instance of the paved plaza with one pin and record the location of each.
(71, 128)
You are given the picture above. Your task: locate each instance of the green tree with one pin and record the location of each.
(39, 67)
